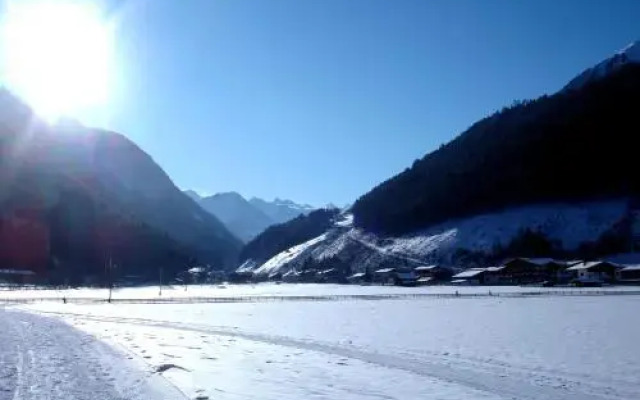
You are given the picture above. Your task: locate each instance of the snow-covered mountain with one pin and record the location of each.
(455, 243)
(280, 210)
(246, 219)
(630, 54)
(239, 216)
(521, 182)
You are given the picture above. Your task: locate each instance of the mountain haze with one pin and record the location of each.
(280, 210)
(246, 219)
(241, 218)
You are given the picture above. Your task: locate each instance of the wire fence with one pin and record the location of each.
(318, 298)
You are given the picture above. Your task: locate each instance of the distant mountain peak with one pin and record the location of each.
(234, 195)
(247, 218)
(628, 55)
(632, 51)
(193, 194)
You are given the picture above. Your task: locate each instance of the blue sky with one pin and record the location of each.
(318, 101)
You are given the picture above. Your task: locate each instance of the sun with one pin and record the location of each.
(56, 55)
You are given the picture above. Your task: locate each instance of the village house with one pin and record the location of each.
(358, 278)
(591, 272)
(384, 276)
(594, 272)
(628, 274)
(429, 274)
(395, 276)
(472, 276)
(519, 271)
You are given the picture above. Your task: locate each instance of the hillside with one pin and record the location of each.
(569, 231)
(80, 196)
(572, 146)
(280, 237)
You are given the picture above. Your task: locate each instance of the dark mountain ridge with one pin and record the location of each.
(81, 196)
(574, 145)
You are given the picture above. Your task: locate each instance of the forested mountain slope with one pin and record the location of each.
(574, 145)
(74, 198)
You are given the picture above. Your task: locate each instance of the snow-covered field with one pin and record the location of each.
(276, 290)
(442, 348)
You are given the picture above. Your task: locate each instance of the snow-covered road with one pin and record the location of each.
(45, 359)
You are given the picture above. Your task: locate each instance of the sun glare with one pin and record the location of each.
(56, 55)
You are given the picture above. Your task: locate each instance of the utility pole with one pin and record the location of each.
(109, 267)
(160, 289)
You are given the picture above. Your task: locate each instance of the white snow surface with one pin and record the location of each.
(275, 263)
(568, 224)
(268, 291)
(559, 348)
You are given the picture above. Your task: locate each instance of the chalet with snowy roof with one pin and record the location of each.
(594, 272)
(432, 273)
(357, 278)
(518, 271)
(384, 276)
(471, 276)
(395, 276)
(628, 274)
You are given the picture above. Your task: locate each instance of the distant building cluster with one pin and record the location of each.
(515, 271)
(548, 271)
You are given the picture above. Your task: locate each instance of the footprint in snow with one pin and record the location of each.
(165, 367)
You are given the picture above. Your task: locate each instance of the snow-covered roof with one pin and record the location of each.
(357, 275)
(589, 265)
(196, 270)
(542, 261)
(326, 271)
(384, 271)
(494, 269)
(16, 272)
(425, 268)
(470, 273)
(631, 268)
(425, 279)
(573, 262)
